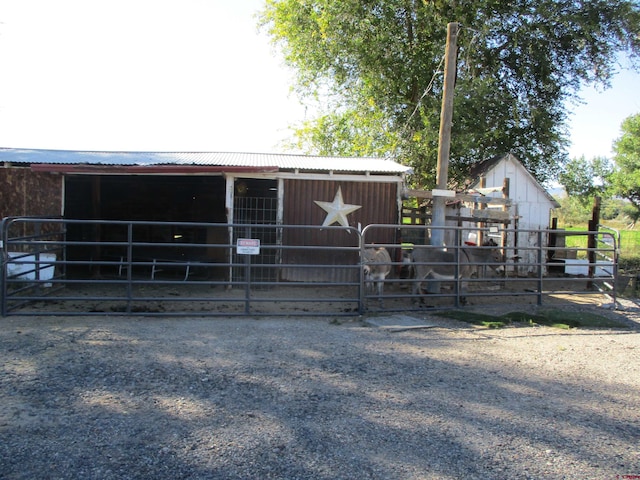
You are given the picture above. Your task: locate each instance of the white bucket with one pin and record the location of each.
(24, 266)
(581, 267)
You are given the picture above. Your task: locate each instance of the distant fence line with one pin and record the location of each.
(630, 243)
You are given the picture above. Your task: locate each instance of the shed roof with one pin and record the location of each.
(482, 168)
(278, 161)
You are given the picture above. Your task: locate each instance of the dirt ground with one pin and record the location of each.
(201, 298)
(318, 397)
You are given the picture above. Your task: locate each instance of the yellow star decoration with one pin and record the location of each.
(337, 210)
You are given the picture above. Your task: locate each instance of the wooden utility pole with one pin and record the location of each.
(444, 141)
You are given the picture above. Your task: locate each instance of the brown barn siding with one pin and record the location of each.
(27, 193)
(379, 205)
(24, 193)
(378, 201)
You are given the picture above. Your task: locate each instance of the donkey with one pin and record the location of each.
(437, 264)
(376, 265)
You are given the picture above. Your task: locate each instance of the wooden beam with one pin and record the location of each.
(456, 218)
(490, 214)
(444, 140)
(465, 197)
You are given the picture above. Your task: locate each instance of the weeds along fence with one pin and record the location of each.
(630, 243)
(54, 266)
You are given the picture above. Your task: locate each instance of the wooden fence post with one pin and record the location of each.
(592, 242)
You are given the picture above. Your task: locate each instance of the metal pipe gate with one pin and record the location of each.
(53, 266)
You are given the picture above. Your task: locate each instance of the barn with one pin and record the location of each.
(529, 208)
(203, 187)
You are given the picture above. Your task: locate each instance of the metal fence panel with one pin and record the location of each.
(534, 272)
(52, 266)
(171, 268)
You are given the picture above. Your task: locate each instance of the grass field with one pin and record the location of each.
(629, 240)
(629, 246)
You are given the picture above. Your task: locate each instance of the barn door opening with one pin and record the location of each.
(157, 203)
(255, 203)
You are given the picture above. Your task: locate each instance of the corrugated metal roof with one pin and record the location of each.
(230, 159)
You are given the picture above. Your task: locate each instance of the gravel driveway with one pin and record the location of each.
(113, 398)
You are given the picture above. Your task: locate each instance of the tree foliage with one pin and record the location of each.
(374, 69)
(584, 179)
(574, 211)
(625, 179)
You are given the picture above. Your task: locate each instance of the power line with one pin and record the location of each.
(424, 94)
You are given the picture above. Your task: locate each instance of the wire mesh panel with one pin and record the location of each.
(252, 212)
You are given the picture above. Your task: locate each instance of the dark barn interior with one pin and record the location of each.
(148, 198)
(145, 197)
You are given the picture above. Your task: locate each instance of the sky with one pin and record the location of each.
(180, 75)
(141, 75)
(595, 124)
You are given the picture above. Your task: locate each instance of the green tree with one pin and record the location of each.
(573, 212)
(625, 179)
(631, 213)
(373, 68)
(584, 179)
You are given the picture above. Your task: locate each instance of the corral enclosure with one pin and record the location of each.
(39, 279)
(131, 223)
(501, 202)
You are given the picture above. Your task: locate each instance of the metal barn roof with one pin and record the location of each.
(209, 159)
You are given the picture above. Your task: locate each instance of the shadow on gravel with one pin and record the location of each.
(287, 399)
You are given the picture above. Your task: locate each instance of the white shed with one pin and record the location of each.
(531, 204)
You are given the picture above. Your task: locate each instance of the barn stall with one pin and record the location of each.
(190, 211)
(169, 189)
